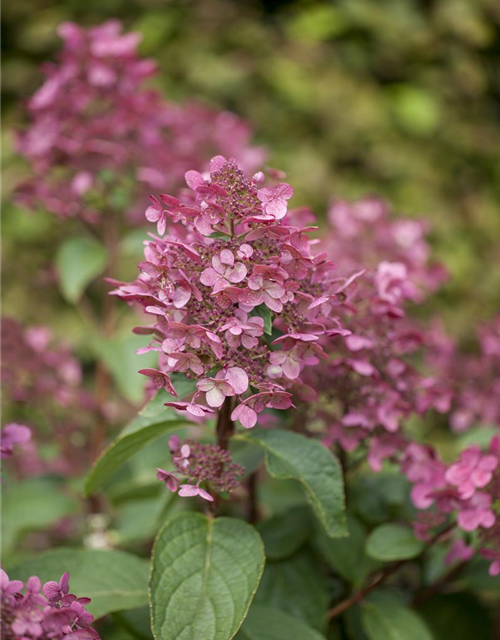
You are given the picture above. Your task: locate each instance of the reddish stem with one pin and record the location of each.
(381, 578)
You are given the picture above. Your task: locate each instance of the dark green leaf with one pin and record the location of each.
(386, 618)
(286, 533)
(459, 616)
(266, 623)
(291, 455)
(347, 555)
(205, 573)
(296, 586)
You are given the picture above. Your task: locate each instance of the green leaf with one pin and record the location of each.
(347, 555)
(263, 311)
(79, 261)
(30, 506)
(385, 618)
(393, 542)
(266, 623)
(286, 533)
(120, 357)
(293, 456)
(152, 422)
(296, 586)
(115, 580)
(204, 575)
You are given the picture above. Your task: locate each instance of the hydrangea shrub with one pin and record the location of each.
(314, 456)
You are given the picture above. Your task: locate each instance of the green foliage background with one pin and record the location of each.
(395, 97)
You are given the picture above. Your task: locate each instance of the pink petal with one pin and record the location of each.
(194, 180)
(238, 379)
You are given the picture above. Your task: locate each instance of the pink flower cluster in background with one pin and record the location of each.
(13, 434)
(98, 136)
(241, 304)
(468, 489)
(473, 375)
(365, 233)
(43, 379)
(52, 613)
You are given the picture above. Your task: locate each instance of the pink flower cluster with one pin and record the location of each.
(200, 463)
(49, 614)
(369, 386)
(43, 379)
(474, 376)
(241, 303)
(32, 369)
(365, 233)
(469, 488)
(98, 136)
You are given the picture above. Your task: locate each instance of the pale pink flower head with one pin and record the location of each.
(222, 294)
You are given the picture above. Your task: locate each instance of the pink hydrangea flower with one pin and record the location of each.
(473, 471)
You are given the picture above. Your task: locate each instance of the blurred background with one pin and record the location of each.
(399, 98)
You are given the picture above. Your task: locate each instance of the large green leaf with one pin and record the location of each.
(204, 575)
(385, 618)
(30, 506)
(291, 455)
(296, 586)
(347, 555)
(78, 262)
(266, 623)
(115, 580)
(393, 542)
(153, 421)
